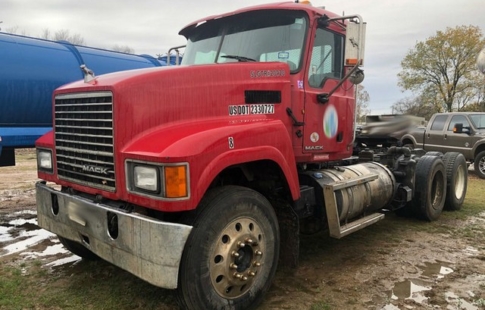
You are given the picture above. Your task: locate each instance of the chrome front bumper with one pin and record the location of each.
(146, 247)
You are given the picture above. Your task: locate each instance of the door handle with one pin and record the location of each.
(446, 136)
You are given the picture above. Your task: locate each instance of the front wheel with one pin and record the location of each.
(78, 249)
(479, 163)
(231, 255)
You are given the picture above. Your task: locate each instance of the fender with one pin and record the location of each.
(210, 146)
(413, 139)
(479, 145)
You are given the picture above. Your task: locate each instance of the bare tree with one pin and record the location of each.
(417, 106)
(46, 34)
(362, 103)
(12, 30)
(62, 35)
(123, 49)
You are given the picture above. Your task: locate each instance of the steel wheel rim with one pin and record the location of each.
(460, 182)
(236, 258)
(481, 165)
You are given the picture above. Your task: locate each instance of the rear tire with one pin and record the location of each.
(231, 255)
(430, 195)
(433, 153)
(479, 164)
(78, 249)
(456, 180)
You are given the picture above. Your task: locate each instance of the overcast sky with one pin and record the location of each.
(151, 27)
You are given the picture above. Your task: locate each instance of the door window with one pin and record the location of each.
(326, 60)
(457, 119)
(439, 122)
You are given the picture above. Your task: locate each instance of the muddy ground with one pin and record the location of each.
(399, 263)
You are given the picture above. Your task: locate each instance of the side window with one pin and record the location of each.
(439, 122)
(291, 57)
(456, 120)
(326, 60)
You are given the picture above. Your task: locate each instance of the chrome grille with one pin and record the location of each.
(83, 129)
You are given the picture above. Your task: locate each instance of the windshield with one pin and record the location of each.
(478, 120)
(268, 35)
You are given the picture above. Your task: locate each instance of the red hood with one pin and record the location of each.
(149, 99)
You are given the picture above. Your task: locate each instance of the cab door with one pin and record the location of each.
(328, 126)
(433, 138)
(458, 142)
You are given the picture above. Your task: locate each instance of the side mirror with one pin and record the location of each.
(458, 128)
(357, 77)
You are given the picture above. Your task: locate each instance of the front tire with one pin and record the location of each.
(231, 255)
(78, 249)
(479, 164)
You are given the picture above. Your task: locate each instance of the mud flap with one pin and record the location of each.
(289, 234)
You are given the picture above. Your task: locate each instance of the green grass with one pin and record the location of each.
(321, 305)
(99, 285)
(87, 285)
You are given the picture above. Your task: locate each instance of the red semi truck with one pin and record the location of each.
(199, 177)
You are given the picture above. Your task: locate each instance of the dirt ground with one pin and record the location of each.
(399, 263)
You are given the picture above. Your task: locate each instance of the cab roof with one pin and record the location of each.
(311, 10)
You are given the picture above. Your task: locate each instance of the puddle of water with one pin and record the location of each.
(32, 212)
(63, 261)
(432, 270)
(33, 237)
(51, 250)
(410, 289)
(471, 251)
(413, 289)
(28, 235)
(5, 236)
(455, 302)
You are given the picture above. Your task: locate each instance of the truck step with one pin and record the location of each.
(356, 225)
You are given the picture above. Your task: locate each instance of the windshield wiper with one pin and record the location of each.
(239, 58)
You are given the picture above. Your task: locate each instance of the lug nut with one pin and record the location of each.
(251, 273)
(241, 244)
(250, 241)
(257, 264)
(233, 266)
(244, 278)
(237, 275)
(258, 253)
(235, 254)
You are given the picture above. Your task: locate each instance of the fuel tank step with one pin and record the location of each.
(356, 225)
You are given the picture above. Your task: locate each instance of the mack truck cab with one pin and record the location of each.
(199, 177)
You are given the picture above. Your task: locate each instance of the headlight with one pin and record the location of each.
(158, 180)
(146, 178)
(44, 160)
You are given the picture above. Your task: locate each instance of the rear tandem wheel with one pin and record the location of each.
(430, 195)
(457, 179)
